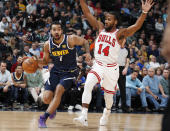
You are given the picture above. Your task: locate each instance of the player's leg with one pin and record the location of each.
(106, 112)
(109, 85)
(91, 81)
(48, 95)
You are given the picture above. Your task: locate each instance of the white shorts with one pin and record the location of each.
(107, 76)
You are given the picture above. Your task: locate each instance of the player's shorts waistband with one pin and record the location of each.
(107, 65)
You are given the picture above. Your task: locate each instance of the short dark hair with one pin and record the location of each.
(56, 23)
(115, 14)
(137, 71)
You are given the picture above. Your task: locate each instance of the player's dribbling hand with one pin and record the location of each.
(146, 6)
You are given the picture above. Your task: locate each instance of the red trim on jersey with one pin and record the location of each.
(108, 65)
(98, 77)
(116, 87)
(107, 91)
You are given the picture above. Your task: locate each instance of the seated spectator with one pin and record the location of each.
(134, 87)
(35, 84)
(159, 25)
(34, 50)
(131, 67)
(153, 87)
(26, 51)
(19, 61)
(158, 73)
(165, 81)
(153, 50)
(5, 82)
(9, 62)
(3, 25)
(143, 73)
(153, 63)
(19, 84)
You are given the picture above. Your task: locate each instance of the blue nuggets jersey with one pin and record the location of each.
(63, 57)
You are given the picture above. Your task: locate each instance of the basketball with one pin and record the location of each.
(30, 65)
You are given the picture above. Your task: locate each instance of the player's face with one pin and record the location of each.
(110, 22)
(56, 31)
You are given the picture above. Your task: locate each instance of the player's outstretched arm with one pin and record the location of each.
(125, 32)
(166, 38)
(46, 57)
(97, 25)
(76, 40)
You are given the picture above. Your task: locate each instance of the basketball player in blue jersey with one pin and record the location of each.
(59, 48)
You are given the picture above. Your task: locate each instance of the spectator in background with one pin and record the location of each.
(19, 84)
(3, 24)
(153, 86)
(5, 82)
(19, 61)
(153, 51)
(15, 55)
(9, 62)
(22, 6)
(159, 73)
(134, 87)
(159, 25)
(143, 73)
(35, 84)
(153, 63)
(164, 81)
(26, 51)
(34, 50)
(31, 7)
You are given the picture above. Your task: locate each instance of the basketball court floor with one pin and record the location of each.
(28, 121)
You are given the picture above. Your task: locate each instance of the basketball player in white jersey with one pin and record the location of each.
(105, 70)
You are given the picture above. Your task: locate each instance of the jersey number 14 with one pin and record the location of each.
(105, 50)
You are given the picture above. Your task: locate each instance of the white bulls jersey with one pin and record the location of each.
(107, 47)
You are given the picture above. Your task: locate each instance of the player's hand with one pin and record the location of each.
(146, 6)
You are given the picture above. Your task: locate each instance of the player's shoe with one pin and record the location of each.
(42, 122)
(52, 116)
(81, 120)
(105, 117)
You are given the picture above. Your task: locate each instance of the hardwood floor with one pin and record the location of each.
(28, 121)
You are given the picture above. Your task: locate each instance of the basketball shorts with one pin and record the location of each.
(107, 76)
(66, 79)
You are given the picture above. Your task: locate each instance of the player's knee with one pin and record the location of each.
(108, 100)
(59, 91)
(47, 98)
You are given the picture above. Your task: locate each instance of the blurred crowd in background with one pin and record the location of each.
(25, 26)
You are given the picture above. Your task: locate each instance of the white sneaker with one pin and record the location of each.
(105, 117)
(78, 107)
(70, 108)
(81, 120)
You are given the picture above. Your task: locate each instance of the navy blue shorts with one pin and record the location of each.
(66, 79)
